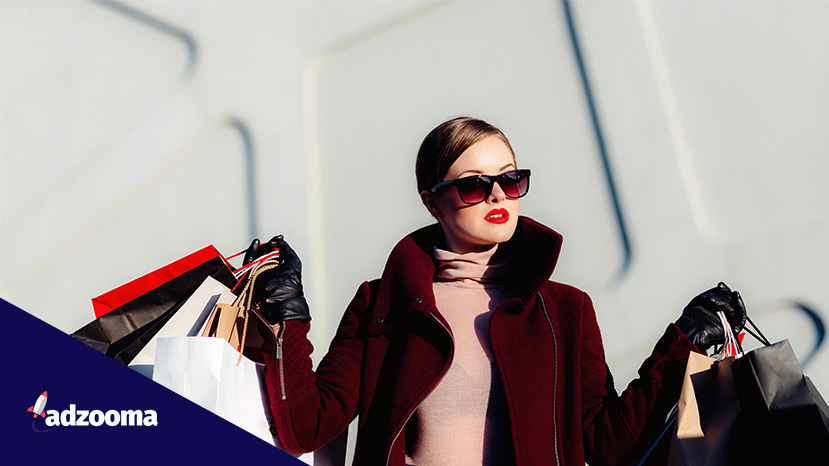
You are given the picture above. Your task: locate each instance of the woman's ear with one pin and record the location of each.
(431, 204)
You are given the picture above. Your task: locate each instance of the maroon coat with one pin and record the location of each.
(393, 346)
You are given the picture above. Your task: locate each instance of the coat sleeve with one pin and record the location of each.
(312, 408)
(617, 425)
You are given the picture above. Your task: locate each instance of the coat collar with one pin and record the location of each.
(406, 283)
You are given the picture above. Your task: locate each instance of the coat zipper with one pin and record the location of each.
(555, 375)
(411, 412)
(278, 356)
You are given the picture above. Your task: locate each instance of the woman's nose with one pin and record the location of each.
(497, 194)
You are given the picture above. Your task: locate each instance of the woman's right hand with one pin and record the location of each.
(279, 290)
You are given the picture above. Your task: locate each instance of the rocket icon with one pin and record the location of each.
(37, 409)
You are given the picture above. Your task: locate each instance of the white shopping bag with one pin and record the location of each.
(209, 371)
(187, 321)
(204, 370)
(212, 372)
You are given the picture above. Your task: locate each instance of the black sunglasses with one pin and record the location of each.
(475, 189)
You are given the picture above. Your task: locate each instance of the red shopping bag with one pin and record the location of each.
(132, 290)
(135, 312)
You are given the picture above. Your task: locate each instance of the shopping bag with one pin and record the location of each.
(702, 426)
(208, 372)
(189, 320)
(240, 323)
(783, 416)
(209, 261)
(753, 408)
(122, 332)
(213, 372)
(707, 414)
(707, 420)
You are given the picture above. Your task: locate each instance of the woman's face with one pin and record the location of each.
(480, 226)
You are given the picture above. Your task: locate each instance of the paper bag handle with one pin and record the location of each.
(244, 301)
(248, 293)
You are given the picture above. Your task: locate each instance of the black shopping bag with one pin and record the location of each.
(754, 409)
(783, 418)
(122, 332)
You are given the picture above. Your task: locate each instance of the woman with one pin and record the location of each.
(464, 352)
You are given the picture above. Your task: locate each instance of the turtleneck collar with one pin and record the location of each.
(408, 278)
(478, 268)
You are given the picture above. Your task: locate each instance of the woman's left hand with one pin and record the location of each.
(699, 320)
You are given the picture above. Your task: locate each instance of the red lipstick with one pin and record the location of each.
(497, 216)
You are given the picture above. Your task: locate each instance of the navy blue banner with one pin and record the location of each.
(90, 401)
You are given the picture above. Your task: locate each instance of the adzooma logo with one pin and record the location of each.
(83, 417)
(96, 417)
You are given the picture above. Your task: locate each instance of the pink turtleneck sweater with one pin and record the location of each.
(463, 421)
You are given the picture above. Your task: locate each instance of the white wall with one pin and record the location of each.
(125, 129)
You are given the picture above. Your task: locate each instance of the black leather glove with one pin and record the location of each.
(256, 250)
(699, 320)
(279, 290)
